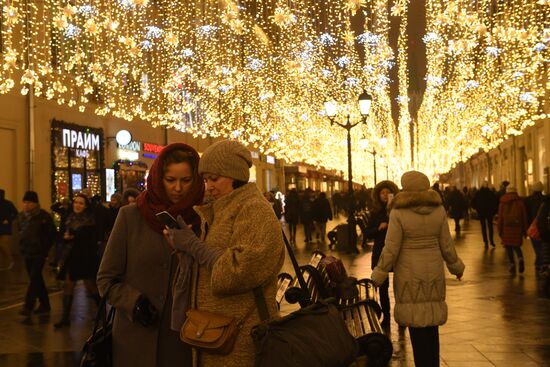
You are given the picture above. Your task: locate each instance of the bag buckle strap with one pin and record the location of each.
(201, 328)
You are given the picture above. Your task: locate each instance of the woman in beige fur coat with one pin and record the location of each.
(418, 242)
(241, 248)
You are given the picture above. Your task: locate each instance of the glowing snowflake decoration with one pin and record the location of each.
(435, 80)
(71, 31)
(472, 84)
(255, 64)
(493, 51)
(351, 82)
(87, 10)
(369, 38)
(224, 88)
(383, 80)
(327, 40)
(126, 4)
(343, 61)
(326, 73)
(304, 117)
(309, 44)
(388, 64)
(206, 30)
(517, 75)
(236, 134)
(226, 70)
(431, 37)
(274, 137)
(528, 97)
(460, 106)
(368, 69)
(153, 32)
(146, 45)
(539, 47)
(187, 52)
(402, 99)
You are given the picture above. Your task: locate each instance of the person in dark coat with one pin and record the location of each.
(62, 208)
(306, 215)
(114, 206)
(485, 203)
(292, 213)
(512, 226)
(436, 188)
(457, 206)
(543, 226)
(377, 228)
(532, 205)
(79, 259)
(36, 236)
(322, 213)
(7, 214)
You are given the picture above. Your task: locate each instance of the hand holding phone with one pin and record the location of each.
(168, 220)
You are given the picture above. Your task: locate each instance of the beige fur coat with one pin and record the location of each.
(418, 243)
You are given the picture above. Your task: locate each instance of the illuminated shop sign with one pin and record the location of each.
(134, 146)
(152, 148)
(80, 140)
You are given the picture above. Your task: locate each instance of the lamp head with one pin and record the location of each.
(365, 102)
(330, 108)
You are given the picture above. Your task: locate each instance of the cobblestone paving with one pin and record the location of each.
(495, 318)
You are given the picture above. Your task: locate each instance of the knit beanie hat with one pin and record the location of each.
(415, 181)
(538, 186)
(227, 158)
(31, 196)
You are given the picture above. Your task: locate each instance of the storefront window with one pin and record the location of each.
(77, 160)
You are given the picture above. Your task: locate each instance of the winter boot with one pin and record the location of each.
(66, 316)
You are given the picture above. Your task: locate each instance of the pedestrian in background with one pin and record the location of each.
(7, 214)
(306, 215)
(138, 270)
(129, 196)
(242, 250)
(79, 256)
(36, 236)
(485, 203)
(512, 226)
(275, 204)
(377, 228)
(418, 242)
(532, 205)
(322, 213)
(457, 206)
(292, 213)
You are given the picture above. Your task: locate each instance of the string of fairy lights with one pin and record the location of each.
(259, 71)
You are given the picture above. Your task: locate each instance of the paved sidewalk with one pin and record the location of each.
(495, 319)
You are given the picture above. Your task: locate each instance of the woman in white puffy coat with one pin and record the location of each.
(418, 243)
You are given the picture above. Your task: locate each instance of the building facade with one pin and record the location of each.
(522, 160)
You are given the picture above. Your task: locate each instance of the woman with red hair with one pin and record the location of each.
(138, 269)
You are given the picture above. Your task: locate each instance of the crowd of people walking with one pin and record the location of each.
(226, 247)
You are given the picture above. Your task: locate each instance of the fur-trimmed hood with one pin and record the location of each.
(383, 185)
(422, 202)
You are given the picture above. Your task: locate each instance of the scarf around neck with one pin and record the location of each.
(154, 199)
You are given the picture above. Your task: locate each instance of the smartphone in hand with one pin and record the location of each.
(168, 220)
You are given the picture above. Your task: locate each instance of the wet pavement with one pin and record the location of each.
(495, 318)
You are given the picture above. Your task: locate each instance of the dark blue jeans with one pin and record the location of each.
(537, 247)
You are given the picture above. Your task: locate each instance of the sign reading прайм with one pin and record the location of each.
(80, 140)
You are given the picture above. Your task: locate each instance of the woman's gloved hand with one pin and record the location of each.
(186, 240)
(144, 312)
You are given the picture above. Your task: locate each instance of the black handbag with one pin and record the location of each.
(315, 335)
(98, 349)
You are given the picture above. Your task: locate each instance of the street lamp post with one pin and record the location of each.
(373, 152)
(364, 101)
